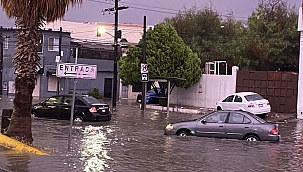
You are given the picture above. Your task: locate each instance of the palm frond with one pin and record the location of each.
(32, 10)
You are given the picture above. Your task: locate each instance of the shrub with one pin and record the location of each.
(95, 93)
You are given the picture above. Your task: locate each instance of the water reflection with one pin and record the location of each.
(95, 148)
(17, 161)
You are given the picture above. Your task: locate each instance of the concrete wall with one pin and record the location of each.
(205, 93)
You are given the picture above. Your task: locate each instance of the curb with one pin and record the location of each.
(13, 144)
(180, 110)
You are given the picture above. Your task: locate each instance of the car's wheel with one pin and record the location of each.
(251, 138)
(183, 133)
(34, 114)
(78, 119)
(219, 108)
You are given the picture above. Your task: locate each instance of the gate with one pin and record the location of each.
(280, 88)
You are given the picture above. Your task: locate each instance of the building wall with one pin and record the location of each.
(205, 93)
(47, 61)
(105, 70)
(47, 79)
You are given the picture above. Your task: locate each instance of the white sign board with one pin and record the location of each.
(144, 68)
(144, 77)
(72, 70)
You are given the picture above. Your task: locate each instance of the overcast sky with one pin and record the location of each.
(154, 10)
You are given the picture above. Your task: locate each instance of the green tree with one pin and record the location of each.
(30, 15)
(166, 55)
(208, 35)
(272, 42)
(268, 40)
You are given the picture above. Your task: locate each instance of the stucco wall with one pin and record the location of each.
(205, 93)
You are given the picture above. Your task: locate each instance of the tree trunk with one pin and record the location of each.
(20, 126)
(25, 60)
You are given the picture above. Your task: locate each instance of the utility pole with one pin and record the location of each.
(300, 76)
(116, 36)
(143, 100)
(1, 60)
(114, 103)
(60, 45)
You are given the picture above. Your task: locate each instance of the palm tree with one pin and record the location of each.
(30, 16)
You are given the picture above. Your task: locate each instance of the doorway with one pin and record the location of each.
(108, 82)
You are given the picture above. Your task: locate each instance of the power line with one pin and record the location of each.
(149, 6)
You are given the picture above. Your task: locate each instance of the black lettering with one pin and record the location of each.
(76, 68)
(81, 70)
(87, 69)
(66, 68)
(61, 67)
(71, 68)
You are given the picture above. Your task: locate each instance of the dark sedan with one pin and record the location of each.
(87, 108)
(227, 124)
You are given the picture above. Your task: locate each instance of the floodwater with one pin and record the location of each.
(134, 142)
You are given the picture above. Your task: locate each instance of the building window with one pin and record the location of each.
(5, 46)
(40, 46)
(52, 83)
(53, 44)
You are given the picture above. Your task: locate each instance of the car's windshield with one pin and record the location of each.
(91, 100)
(253, 97)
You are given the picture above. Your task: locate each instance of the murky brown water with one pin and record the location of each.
(135, 142)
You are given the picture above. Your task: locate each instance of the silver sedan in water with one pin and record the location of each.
(240, 125)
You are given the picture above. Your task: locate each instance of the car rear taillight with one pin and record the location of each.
(268, 103)
(93, 109)
(274, 131)
(250, 105)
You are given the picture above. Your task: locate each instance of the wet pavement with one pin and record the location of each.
(134, 142)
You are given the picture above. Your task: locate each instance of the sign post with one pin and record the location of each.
(144, 79)
(74, 70)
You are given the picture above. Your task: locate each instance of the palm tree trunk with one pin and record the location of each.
(25, 60)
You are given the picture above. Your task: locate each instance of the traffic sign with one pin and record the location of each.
(144, 68)
(72, 70)
(144, 77)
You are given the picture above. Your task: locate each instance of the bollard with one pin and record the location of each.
(5, 119)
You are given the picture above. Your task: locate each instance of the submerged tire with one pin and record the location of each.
(78, 119)
(183, 133)
(252, 138)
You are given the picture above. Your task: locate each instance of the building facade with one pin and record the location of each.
(47, 83)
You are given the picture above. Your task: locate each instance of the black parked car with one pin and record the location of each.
(87, 108)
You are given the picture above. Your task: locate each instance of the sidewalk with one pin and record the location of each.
(270, 117)
(182, 109)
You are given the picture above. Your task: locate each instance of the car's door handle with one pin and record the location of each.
(246, 127)
(221, 126)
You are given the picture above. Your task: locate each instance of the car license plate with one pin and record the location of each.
(260, 105)
(103, 110)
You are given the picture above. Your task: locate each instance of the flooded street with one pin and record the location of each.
(135, 142)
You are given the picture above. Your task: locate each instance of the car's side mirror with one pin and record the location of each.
(203, 121)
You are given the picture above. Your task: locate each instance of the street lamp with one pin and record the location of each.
(117, 48)
(101, 30)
